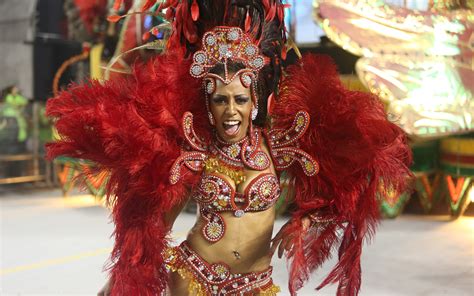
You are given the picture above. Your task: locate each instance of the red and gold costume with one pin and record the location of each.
(152, 133)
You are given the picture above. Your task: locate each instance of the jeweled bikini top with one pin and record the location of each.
(217, 195)
(214, 195)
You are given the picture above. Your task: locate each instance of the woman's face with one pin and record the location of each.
(231, 106)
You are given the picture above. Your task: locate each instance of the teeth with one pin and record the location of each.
(233, 122)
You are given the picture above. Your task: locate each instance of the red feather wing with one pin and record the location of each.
(132, 128)
(358, 150)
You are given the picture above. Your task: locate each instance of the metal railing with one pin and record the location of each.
(24, 160)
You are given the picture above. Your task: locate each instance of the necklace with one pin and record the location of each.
(244, 153)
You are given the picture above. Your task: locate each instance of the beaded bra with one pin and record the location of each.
(215, 194)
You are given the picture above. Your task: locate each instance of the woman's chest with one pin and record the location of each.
(216, 192)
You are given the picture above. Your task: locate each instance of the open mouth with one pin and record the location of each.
(231, 127)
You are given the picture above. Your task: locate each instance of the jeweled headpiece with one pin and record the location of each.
(225, 44)
(221, 46)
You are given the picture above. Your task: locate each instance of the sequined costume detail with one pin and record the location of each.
(214, 194)
(216, 279)
(284, 146)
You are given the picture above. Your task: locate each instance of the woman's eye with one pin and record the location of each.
(218, 100)
(241, 101)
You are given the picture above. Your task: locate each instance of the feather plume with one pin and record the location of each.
(360, 154)
(132, 128)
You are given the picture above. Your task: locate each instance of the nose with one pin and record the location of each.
(231, 108)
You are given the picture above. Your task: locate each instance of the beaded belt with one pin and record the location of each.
(216, 278)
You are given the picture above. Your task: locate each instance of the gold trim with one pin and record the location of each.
(214, 165)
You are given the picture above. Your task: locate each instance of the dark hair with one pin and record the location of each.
(7, 90)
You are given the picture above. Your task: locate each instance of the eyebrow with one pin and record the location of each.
(219, 96)
(243, 96)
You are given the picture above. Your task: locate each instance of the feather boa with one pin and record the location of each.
(361, 155)
(132, 128)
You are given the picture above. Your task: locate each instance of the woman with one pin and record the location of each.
(184, 125)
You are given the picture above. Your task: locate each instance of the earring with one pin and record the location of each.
(211, 118)
(254, 113)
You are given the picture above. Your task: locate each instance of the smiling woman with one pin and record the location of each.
(231, 107)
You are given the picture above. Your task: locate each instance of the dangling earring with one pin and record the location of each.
(254, 112)
(209, 88)
(211, 119)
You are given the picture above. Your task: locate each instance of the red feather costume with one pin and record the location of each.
(132, 128)
(358, 151)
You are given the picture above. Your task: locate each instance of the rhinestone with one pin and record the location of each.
(210, 277)
(210, 87)
(250, 50)
(234, 285)
(287, 137)
(233, 34)
(246, 280)
(210, 40)
(247, 80)
(196, 70)
(214, 287)
(257, 62)
(200, 58)
(223, 49)
(239, 213)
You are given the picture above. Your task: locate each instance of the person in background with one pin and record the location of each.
(14, 105)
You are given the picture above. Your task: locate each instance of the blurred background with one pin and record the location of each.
(416, 55)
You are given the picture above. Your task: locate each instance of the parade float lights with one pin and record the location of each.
(366, 24)
(445, 42)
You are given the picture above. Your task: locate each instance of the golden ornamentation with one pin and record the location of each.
(309, 166)
(266, 189)
(213, 165)
(271, 291)
(234, 150)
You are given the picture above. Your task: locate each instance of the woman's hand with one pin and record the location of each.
(283, 241)
(105, 291)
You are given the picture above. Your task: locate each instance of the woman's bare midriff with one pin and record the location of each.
(249, 235)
